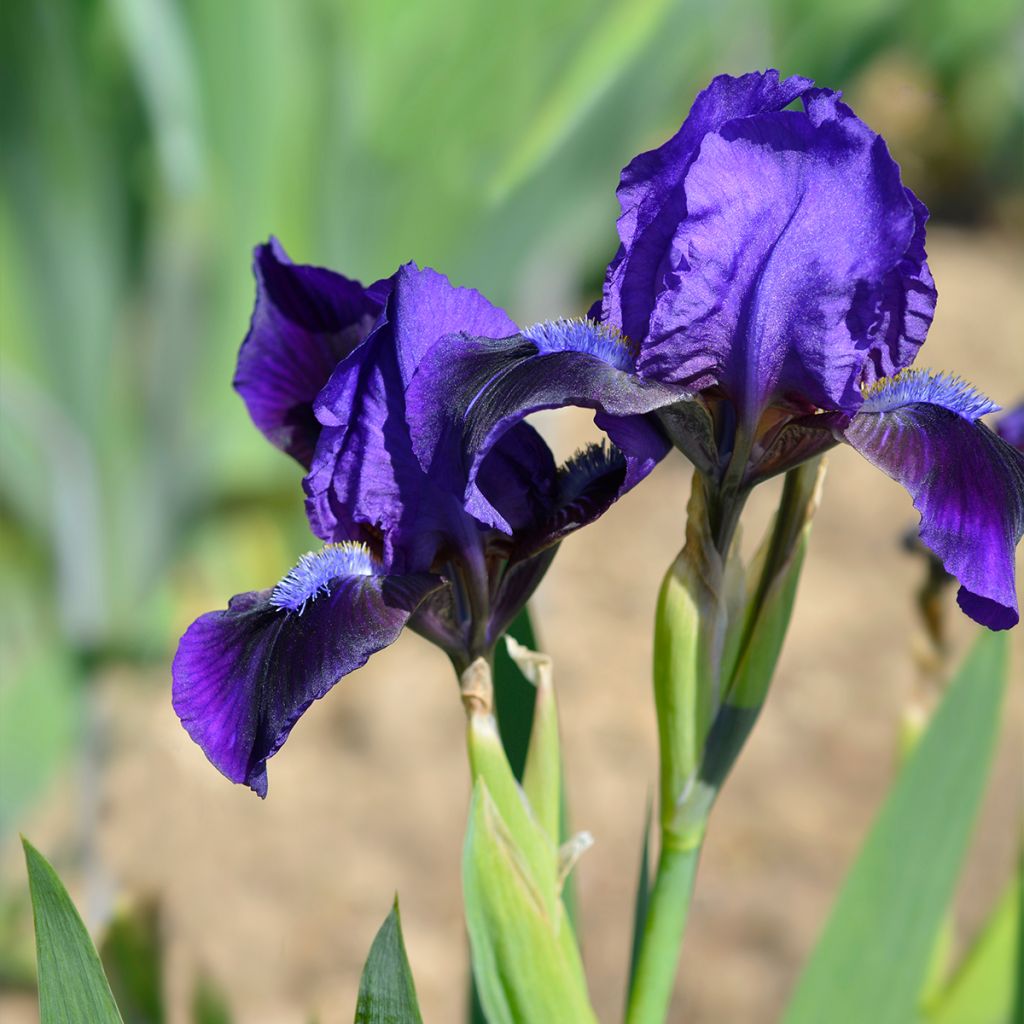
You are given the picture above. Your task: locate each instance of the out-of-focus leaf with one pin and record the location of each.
(72, 987)
(871, 961)
(132, 956)
(475, 1012)
(596, 60)
(387, 993)
(159, 48)
(643, 896)
(40, 709)
(524, 969)
(17, 960)
(983, 988)
(209, 1006)
(40, 718)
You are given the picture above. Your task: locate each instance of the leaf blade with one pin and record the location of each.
(387, 993)
(72, 985)
(643, 897)
(872, 958)
(982, 989)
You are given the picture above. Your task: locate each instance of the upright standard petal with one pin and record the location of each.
(798, 272)
(306, 320)
(469, 403)
(967, 483)
(365, 473)
(244, 676)
(653, 199)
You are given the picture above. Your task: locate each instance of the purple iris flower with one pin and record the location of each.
(329, 373)
(770, 291)
(1010, 426)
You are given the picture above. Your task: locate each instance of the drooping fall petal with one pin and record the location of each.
(967, 483)
(244, 676)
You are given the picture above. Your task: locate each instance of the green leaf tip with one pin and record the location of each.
(209, 1005)
(132, 954)
(387, 993)
(72, 986)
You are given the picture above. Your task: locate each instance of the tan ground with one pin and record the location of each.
(280, 900)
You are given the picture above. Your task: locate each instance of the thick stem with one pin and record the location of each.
(689, 633)
(658, 962)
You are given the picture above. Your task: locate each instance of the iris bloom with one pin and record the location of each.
(328, 373)
(772, 274)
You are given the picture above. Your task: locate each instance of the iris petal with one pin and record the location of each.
(497, 382)
(519, 477)
(797, 273)
(966, 482)
(588, 484)
(244, 676)
(306, 320)
(653, 198)
(365, 473)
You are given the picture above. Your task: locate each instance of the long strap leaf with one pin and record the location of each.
(872, 959)
(72, 986)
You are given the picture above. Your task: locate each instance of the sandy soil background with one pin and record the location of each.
(279, 901)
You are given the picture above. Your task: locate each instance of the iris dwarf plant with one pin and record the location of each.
(767, 302)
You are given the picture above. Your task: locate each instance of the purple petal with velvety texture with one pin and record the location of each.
(244, 676)
(798, 271)
(497, 382)
(306, 320)
(967, 483)
(365, 473)
(520, 478)
(654, 201)
(587, 485)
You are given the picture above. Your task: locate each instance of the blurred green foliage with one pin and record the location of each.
(148, 144)
(873, 958)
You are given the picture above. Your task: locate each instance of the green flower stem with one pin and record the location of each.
(662, 939)
(715, 651)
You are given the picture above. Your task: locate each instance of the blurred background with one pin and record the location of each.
(147, 145)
